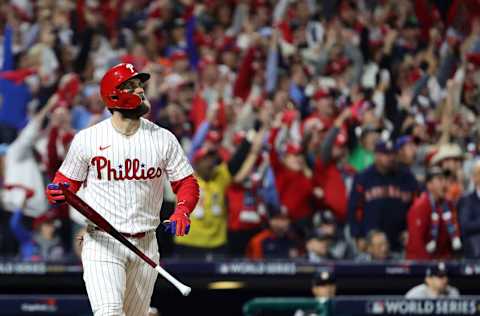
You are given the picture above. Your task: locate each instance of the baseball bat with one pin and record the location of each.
(103, 224)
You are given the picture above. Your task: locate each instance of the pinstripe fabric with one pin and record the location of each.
(124, 178)
(117, 281)
(105, 159)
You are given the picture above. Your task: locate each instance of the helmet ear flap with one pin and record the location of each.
(114, 99)
(127, 100)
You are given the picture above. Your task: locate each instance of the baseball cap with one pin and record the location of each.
(276, 210)
(203, 152)
(402, 141)
(447, 151)
(321, 93)
(384, 146)
(435, 172)
(325, 216)
(323, 278)
(440, 269)
(293, 149)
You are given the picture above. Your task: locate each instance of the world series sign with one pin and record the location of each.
(423, 307)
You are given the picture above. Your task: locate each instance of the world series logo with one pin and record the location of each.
(423, 307)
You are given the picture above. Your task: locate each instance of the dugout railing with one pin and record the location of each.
(362, 306)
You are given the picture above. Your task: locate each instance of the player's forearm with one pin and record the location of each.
(74, 184)
(187, 192)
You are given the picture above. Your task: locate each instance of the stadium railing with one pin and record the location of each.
(362, 306)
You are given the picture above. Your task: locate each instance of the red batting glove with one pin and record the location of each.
(55, 194)
(179, 223)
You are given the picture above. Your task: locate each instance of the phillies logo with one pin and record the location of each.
(132, 169)
(130, 66)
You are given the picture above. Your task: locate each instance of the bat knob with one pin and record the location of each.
(185, 290)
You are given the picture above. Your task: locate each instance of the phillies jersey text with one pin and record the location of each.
(125, 174)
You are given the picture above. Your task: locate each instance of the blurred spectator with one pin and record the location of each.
(324, 107)
(380, 198)
(469, 217)
(332, 173)
(209, 217)
(362, 155)
(406, 151)
(275, 242)
(338, 75)
(41, 244)
(378, 248)
(15, 88)
(436, 285)
(433, 231)
(245, 204)
(323, 288)
(23, 164)
(324, 285)
(59, 138)
(326, 241)
(214, 176)
(293, 177)
(91, 112)
(318, 247)
(449, 157)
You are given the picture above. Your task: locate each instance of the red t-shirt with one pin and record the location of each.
(330, 179)
(294, 188)
(242, 202)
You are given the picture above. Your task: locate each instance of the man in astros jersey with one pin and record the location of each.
(122, 163)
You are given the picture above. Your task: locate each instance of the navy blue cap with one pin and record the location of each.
(275, 210)
(439, 269)
(323, 278)
(324, 216)
(402, 140)
(384, 146)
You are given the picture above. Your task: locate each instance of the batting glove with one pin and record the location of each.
(55, 194)
(178, 224)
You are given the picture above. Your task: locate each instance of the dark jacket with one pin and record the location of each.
(381, 201)
(469, 217)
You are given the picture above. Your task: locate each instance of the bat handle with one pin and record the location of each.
(184, 289)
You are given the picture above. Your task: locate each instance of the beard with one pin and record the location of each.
(136, 113)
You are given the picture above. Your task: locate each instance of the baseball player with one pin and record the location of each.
(123, 163)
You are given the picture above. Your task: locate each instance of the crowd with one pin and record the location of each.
(322, 130)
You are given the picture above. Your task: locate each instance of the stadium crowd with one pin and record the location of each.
(323, 130)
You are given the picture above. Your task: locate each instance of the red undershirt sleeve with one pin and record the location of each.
(187, 192)
(74, 184)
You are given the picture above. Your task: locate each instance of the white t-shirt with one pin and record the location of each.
(22, 168)
(423, 292)
(125, 174)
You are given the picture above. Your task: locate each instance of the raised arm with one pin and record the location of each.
(249, 162)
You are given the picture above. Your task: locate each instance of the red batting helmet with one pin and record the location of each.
(115, 98)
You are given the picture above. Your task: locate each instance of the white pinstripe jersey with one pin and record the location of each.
(125, 174)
